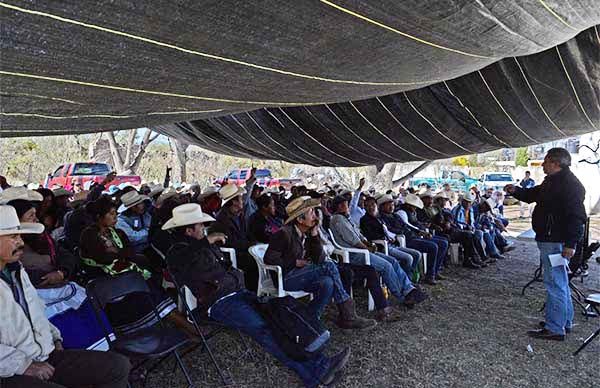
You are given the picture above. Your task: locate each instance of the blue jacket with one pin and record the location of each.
(459, 214)
(136, 228)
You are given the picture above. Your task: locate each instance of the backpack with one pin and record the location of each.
(299, 333)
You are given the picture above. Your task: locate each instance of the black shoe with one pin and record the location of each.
(509, 247)
(337, 363)
(545, 334)
(439, 276)
(467, 263)
(414, 297)
(480, 263)
(499, 257)
(429, 280)
(490, 260)
(542, 325)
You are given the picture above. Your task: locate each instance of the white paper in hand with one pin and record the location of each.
(558, 260)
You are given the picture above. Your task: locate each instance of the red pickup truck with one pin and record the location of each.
(70, 174)
(263, 178)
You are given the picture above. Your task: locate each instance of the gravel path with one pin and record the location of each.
(470, 333)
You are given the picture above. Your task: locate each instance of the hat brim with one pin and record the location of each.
(172, 223)
(25, 228)
(240, 191)
(141, 199)
(310, 204)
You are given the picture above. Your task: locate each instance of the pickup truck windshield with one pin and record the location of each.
(263, 173)
(499, 177)
(91, 169)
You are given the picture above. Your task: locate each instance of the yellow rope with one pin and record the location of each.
(126, 89)
(18, 114)
(563, 21)
(206, 55)
(349, 12)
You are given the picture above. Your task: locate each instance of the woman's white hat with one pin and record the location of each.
(10, 224)
(187, 214)
(414, 200)
(230, 191)
(130, 199)
(13, 193)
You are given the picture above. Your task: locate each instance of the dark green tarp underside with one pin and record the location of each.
(319, 82)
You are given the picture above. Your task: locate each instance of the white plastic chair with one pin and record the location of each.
(265, 283)
(383, 244)
(232, 256)
(454, 253)
(344, 253)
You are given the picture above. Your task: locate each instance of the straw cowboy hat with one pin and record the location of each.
(10, 224)
(61, 192)
(12, 193)
(230, 191)
(384, 199)
(187, 214)
(413, 200)
(442, 195)
(300, 206)
(130, 199)
(156, 190)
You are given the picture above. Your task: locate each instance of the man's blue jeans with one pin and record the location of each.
(559, 306)
(490, 247)
(407, 258)
(238, 312)
(442, 243)
(429, 247)
(322, 280)
(393, 275)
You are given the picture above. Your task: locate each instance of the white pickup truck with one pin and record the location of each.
(495, 180)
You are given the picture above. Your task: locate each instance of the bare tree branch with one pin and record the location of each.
(146, 140)
(129, 146)
(114, 151)
(92, 146)
(422, 166)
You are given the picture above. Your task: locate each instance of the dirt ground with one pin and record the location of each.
(470, 333)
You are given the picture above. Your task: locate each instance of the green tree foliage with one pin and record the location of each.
(461, 161)
(521, 157)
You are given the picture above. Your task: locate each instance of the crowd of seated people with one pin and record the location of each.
(168, 234)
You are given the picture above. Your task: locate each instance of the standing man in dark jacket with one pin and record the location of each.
(557, 220)
(298, 250)
(196, 262)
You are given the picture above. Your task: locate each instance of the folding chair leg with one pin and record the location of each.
(371, 302)
(587, 341)
(184, 370)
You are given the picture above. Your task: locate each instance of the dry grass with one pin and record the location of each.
(470, 333)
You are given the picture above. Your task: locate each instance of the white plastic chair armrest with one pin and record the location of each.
(232, 255)
(401, 240)
(383, 243)
(364, 252)
(277, 269)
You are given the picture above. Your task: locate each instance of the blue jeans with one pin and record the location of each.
(322, 280)
(442, 243)
(393, 275)
(429, 247)
(559, 306)
(238, 312)
(490, 247)
(407, 258)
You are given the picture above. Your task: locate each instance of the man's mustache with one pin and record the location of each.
(18, 250)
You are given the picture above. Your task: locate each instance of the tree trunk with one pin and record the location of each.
(178, 149)
(422, 166)
(385, 174)
(132, 160)
(115, 153)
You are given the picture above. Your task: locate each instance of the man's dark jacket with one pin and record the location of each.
(372, 228)
(236, 232)
(287, 246)
(559, 214)
(201, 267)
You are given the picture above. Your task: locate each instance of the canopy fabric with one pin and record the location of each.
(329, 82)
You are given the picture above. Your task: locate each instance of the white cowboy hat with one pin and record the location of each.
(10, 224)
(230, 191)
(426, 193)
(130, 199)
(61, 192)
(413, 200)
(212, 190)
(468, 197)
(441, 194)
(300, 206)
(187, 214)
(384, 199)
(12, 193)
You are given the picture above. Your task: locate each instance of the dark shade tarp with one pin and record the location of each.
(319, 82)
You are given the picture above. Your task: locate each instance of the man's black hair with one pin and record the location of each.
(263, 201)
(560, 156)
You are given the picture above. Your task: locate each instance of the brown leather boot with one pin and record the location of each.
(348, 319)
(388, 314)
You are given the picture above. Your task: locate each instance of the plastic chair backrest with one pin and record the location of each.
(108, 289)
(335, 244)
(258, 253)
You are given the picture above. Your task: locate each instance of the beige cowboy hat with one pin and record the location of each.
(300, 206)
(442, 195)
(13, 193)
(187, 214)
(61, 192)
(413, 200)
(10, 224)
(156, 190)
(384, 199)
(230, 191)
(130, 199)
